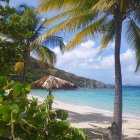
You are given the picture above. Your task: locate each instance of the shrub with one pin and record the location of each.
(24, 119)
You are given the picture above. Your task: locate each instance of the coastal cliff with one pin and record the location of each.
(37, 72)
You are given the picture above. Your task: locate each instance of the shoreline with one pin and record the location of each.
(96, 109)
(90, 118)
(130, 115)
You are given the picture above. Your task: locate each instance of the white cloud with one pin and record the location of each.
(76, 57)
(85, 61)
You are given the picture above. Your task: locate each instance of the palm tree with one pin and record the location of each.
(107, 17)
(7, 1)
(29, 27)
(36, 26)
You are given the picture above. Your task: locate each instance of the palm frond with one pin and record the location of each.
(135, 15)
(69, 14)
(44, 54)
(133, 36)
(103, 5)
(23, 7)
(48, 5)
(108, 34)
(69, 25)
(39, 26)
(54, 41)
(91, 30)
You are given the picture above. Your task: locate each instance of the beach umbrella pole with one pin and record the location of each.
(50, 92)
(50, 101)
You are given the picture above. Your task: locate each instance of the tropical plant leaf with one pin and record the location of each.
(61, 114)
(44, 54)
(108, 34)
(19, 66)
(91, 30)
(133, 36)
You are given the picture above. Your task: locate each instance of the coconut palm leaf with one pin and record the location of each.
(91, 30)
(108, 34)
(133, 36)
(103, 5)
(54, 41)
(70, 13)
(78, 22)
(44, 54)
(48, 5)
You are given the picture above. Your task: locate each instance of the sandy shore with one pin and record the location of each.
(88, 118)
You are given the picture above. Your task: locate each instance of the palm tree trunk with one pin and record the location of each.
(117, 134)
(26, 62)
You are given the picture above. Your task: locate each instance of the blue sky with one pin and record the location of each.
(85, 61)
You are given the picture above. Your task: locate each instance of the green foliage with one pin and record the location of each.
(25, 119)
(12, 36)
(61, 114)
(19, 29)
(50, 98)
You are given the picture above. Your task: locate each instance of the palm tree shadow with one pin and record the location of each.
(93, 130)
(96, 135)
(125, 137)
(94, 122)
(131, 138)
(90, 118)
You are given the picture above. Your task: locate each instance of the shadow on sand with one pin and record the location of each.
(91, 118)
(131, 138)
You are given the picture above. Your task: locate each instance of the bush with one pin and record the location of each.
(24, 119)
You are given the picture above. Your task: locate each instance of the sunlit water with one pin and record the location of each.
(98, 98)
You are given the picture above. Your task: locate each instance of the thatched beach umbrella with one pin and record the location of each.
(52, 83)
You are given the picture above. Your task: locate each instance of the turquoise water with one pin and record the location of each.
(98, 98)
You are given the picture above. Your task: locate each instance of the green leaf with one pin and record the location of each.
(4, 108)
(78, 134)
(1, 99)
(17, 89)
(5, 130)
(15, 108)
(9, 85)
(3, 81)
(28, 88)
(62, 114)
(43, 106)
(57, 128)
(50, 98)
(6, 117)
(34, 102)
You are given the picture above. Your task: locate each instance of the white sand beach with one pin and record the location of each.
(92, 118)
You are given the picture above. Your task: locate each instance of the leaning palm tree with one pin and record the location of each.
(107, 17)
(41, 51)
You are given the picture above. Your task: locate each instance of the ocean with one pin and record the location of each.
(98, 98)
